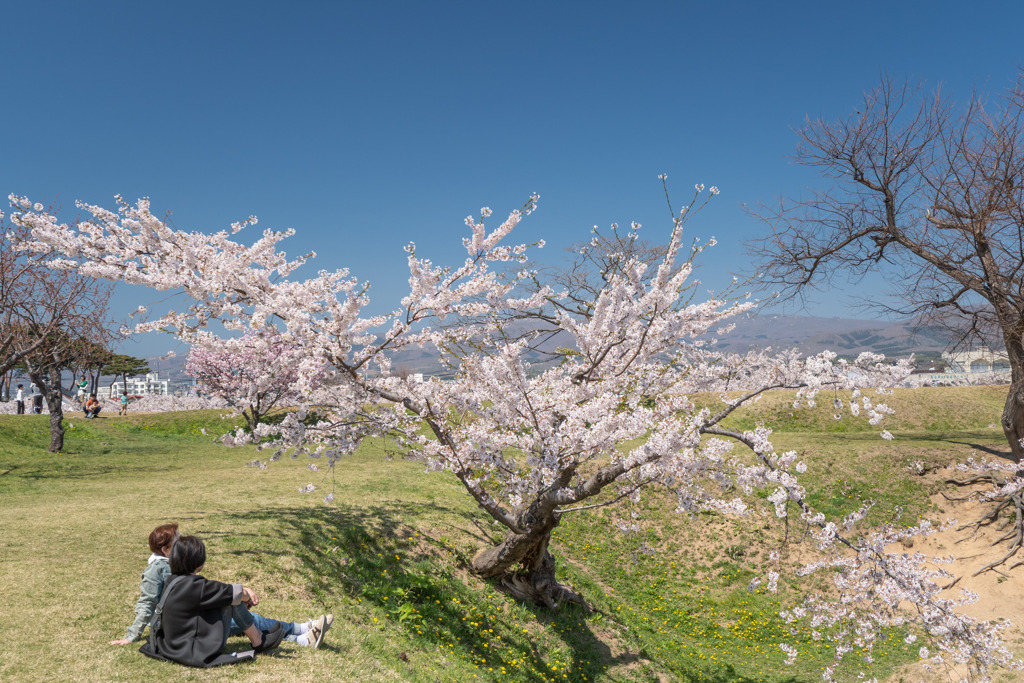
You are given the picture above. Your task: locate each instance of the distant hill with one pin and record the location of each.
(845, 336)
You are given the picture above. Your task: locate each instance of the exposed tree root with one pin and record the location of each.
(523, 566)
(549, 595)
(540, 586)
(1014, 528)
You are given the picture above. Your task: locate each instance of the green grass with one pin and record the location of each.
(922, 409)
(389, 559)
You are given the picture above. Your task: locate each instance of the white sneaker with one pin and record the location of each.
(318, 628)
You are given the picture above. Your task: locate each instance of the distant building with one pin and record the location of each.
(142, 386)
(980, 359)
(967, 366)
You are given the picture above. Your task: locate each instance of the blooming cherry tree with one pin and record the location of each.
(254, 373)
(531, 442)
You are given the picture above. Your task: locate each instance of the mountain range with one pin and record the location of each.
(845, 336)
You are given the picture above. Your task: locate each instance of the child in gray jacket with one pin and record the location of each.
(153, 577)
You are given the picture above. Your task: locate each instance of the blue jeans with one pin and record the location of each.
(291, 629)
(239, 614)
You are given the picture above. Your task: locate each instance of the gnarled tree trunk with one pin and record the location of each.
(49, 384)
(523, 563)
(1012, 420)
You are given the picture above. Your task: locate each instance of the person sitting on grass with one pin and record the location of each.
(153, 577)
(195, 614)
(161, 540)
(92, 407)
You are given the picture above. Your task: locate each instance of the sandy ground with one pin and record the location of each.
(1000, 591)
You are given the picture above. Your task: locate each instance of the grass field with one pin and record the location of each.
(389, 557)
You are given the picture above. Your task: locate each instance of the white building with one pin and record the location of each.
(974, 366)
(141, 386)
(980, 359)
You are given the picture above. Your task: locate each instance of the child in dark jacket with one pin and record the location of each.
(195, 621)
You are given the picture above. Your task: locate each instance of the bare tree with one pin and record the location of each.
(48, 319)
(928, 193)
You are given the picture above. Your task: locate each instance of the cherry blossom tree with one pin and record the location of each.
(254, 373)
(48, 320)
(534, 442)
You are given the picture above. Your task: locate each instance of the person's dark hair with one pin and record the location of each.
(161, 536)
(187, 555)
(20, 386)
(92, 395)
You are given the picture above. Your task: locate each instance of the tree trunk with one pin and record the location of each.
(56, 430)
(49, 384)
(1013, 419)
(525, 567)
(252, 416)
(55, 403)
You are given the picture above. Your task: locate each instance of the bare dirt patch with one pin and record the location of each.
(1000, 591)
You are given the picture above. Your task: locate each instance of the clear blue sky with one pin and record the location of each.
(368, 125)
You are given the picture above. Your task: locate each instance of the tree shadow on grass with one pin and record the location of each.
(1004, 454)
(58, 467)
(411, 577)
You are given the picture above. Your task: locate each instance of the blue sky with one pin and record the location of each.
(368, 125)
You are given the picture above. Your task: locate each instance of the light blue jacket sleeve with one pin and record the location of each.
(151, 586)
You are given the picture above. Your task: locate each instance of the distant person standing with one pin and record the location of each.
(20, 400)
(37, 400)
(124, 403)
(83, 384)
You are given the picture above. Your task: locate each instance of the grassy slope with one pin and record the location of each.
(388, 557)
